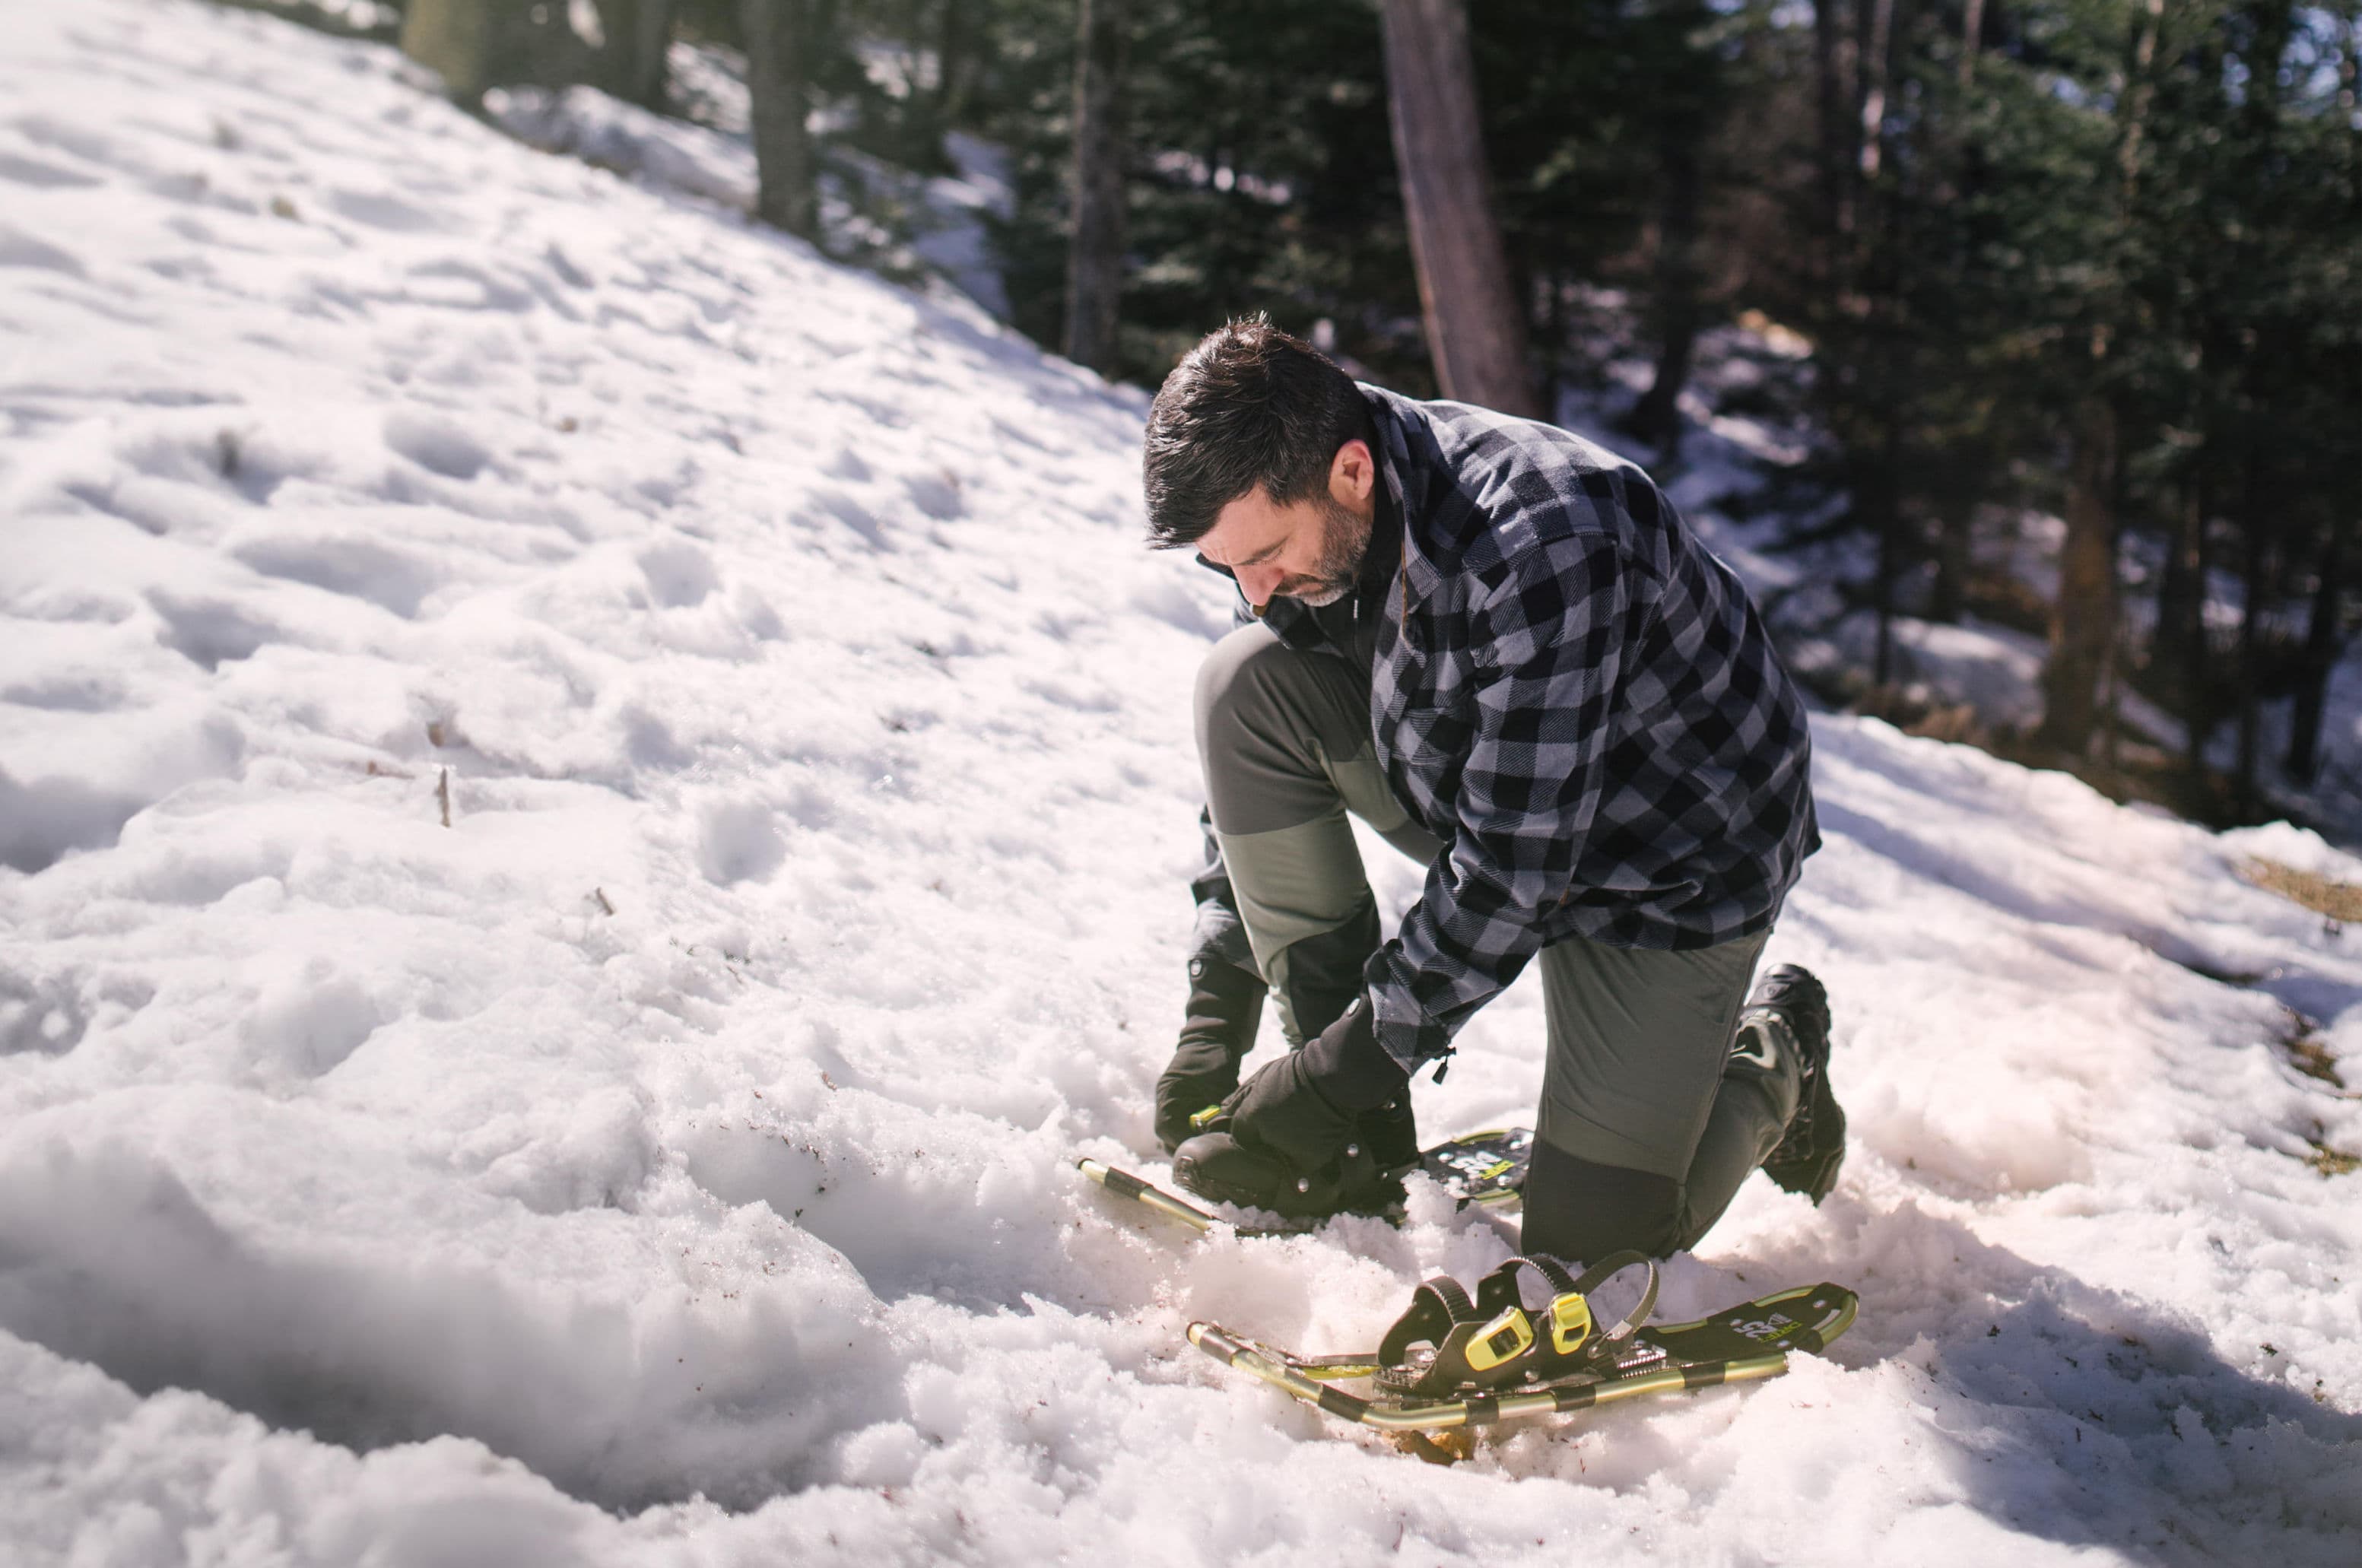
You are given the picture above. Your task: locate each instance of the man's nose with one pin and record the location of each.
(1257, 584)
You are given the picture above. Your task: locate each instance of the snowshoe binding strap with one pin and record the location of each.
(1609, 1268)
(1446, 1343)
(1437, 1308)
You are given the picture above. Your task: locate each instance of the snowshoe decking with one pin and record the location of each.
(1450, 1363)
(1479, 1169)
(1487, 1169)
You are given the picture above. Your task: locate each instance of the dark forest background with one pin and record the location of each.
(2099, 260)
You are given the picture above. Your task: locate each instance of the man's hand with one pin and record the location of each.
(1202, 1072)
(1306, 1106)
(1281, 1110)
(1225, 1001)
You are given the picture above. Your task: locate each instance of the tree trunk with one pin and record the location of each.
(1095, 253)
(471, 44)
(1875, 71)
(1880, 257)
(2250, 653)
(2325, 638)
(778, 85)
(1475, 332)
(1880, 494)
(1833, 91)
(638, 38)
(1956, 513)
(2198, 658)
(1657, 417)
(953, 50)
(1553, 314)
(2326, 635)
(2181, 608)
(2084, 619)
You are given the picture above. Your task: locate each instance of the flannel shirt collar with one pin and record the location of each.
(1406, 482)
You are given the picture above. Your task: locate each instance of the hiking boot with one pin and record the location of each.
(1789, 1008)
(1217, 1165)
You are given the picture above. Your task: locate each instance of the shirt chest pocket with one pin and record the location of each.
(1432, 717)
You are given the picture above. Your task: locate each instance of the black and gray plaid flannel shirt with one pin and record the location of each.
(1577, 699)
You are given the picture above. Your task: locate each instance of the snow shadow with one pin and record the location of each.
(107, 1257)
(42, 821)
(2081, 1416)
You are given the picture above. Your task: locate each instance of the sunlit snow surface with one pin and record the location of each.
(666, 1163)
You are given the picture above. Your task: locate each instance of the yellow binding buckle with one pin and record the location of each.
(1570, 1322)
(1505, 1338)
(1198, 1119)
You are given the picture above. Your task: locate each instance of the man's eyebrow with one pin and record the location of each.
(1255, 559)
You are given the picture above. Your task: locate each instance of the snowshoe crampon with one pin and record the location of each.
(1452, 1362)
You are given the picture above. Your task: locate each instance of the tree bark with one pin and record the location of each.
(2325, 639)
(1475, 331)
(471, 44)
(634, 56)
(1833, 91)
(2182, 605)
(1874, 73)
(1881, 494)
(2198, 656)
(1956, 514)
(954, 38)
(2084, 619)
(1657, 417)
(1880, 260)
(1095, 252)
(778, 85)
(2251, 641)
(2327, 635)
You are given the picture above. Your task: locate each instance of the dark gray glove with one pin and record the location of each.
(1306, 1106)
(1218, 1031)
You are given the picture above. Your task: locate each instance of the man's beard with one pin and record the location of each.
(1344, 539)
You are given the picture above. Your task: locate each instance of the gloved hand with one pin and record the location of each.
(1225, 1004)
(1307, 1106)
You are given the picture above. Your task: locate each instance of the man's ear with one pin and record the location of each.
(1353, 473)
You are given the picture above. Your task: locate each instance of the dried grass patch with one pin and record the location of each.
(2340, 901)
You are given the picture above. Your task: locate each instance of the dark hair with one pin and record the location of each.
(1248, 406)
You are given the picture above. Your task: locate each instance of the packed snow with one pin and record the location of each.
(593, 808)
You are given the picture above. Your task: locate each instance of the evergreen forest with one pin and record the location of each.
(2091, 261)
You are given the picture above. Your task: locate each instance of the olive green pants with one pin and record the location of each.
(1638, 1079)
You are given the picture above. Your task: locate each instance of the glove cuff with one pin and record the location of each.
(1225, 1005)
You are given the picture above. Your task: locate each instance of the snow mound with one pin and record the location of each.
(592, 808)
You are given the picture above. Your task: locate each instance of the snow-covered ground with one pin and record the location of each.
(934, 227)
(665, 1161)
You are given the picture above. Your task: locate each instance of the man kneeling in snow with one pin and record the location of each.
(1499, 645)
